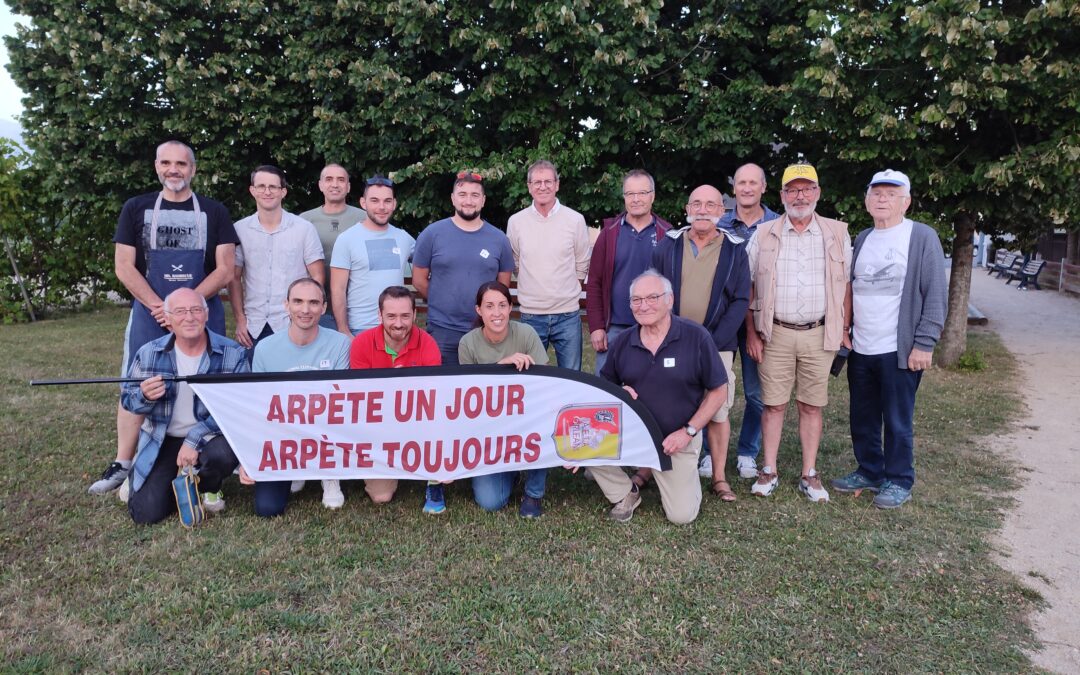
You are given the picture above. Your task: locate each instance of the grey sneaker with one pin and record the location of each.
(892, 496)
(855, 482)
(114, 477)
(747, 466)
(624, 510)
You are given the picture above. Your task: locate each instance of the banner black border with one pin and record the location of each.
(423, 371)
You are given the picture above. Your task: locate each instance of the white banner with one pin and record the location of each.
(426, 423)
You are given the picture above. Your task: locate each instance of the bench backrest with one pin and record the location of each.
(1033, 267)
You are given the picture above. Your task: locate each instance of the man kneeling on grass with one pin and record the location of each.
(179, 431)
(671, 365)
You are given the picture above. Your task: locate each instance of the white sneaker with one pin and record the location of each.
(810, 485)
(124, 490)
(332, 497)
(297, 486)
(705, 468)
(766, 482)
(747, 466)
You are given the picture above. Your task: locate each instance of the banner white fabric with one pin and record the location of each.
(431, 423)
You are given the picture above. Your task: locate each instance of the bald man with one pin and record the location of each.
(710, 275)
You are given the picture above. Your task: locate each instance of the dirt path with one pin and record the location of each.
(1040, 542)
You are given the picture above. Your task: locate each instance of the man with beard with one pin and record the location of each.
(332, 218)
(397, 343)
(453, 257)
(303, 346)
(367, 258)
(164, 241)
(800, 264)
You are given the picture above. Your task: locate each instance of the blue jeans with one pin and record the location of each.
(613, 332)
(561, 330)
(327, 320)
(750, 432)
(883, 397)
(447, 339)
(271, 497)
(492, 491)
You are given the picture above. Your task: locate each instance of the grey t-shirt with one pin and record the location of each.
(474, 348)
(329, 226)
(459, 262)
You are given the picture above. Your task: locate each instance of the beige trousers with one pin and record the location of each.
(680, 488)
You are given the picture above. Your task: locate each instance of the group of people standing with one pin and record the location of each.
(667, 308)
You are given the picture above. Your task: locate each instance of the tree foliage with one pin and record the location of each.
(976, 101)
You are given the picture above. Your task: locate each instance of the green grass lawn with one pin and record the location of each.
(778, 584)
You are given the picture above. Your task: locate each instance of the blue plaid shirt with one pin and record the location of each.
(157, 358)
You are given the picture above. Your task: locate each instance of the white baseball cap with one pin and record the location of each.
(890, 177)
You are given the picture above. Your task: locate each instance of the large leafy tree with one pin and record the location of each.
(977, 101)
(972, 99)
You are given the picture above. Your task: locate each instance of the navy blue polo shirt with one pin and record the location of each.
(633, 254)
(673, 382)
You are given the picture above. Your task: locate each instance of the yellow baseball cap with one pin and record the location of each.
(797, 171)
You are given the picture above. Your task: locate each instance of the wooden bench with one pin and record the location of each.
(999, 259)
(1028, 273)
(1012, 263)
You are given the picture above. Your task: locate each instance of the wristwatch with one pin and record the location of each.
(691, 430)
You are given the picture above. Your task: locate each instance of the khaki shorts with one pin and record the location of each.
(728, 358)
(795, 359)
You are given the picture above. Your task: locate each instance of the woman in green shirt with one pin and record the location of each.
(499, 339)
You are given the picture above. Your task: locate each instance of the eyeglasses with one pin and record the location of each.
(638, 301)
(470, 175)
(884, 195)
(543, 183)
(266, 188)
(709, 206)
(381, 181)
(795, 192)
(184, 312)
(637, 195)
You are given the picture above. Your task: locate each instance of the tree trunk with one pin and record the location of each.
(954, 338)
(1072, 247)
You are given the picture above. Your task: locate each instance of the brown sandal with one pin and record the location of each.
(724, 493)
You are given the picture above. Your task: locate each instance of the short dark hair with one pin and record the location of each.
(306, 280)
(334, 164)
(396, 292)
(491, 286)
(470, 177)
(380, 181)
(270, 168)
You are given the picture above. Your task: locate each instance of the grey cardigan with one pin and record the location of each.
(925, 298)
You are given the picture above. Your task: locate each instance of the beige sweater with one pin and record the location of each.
(551, 256)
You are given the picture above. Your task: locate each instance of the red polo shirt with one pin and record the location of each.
(369, 351)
